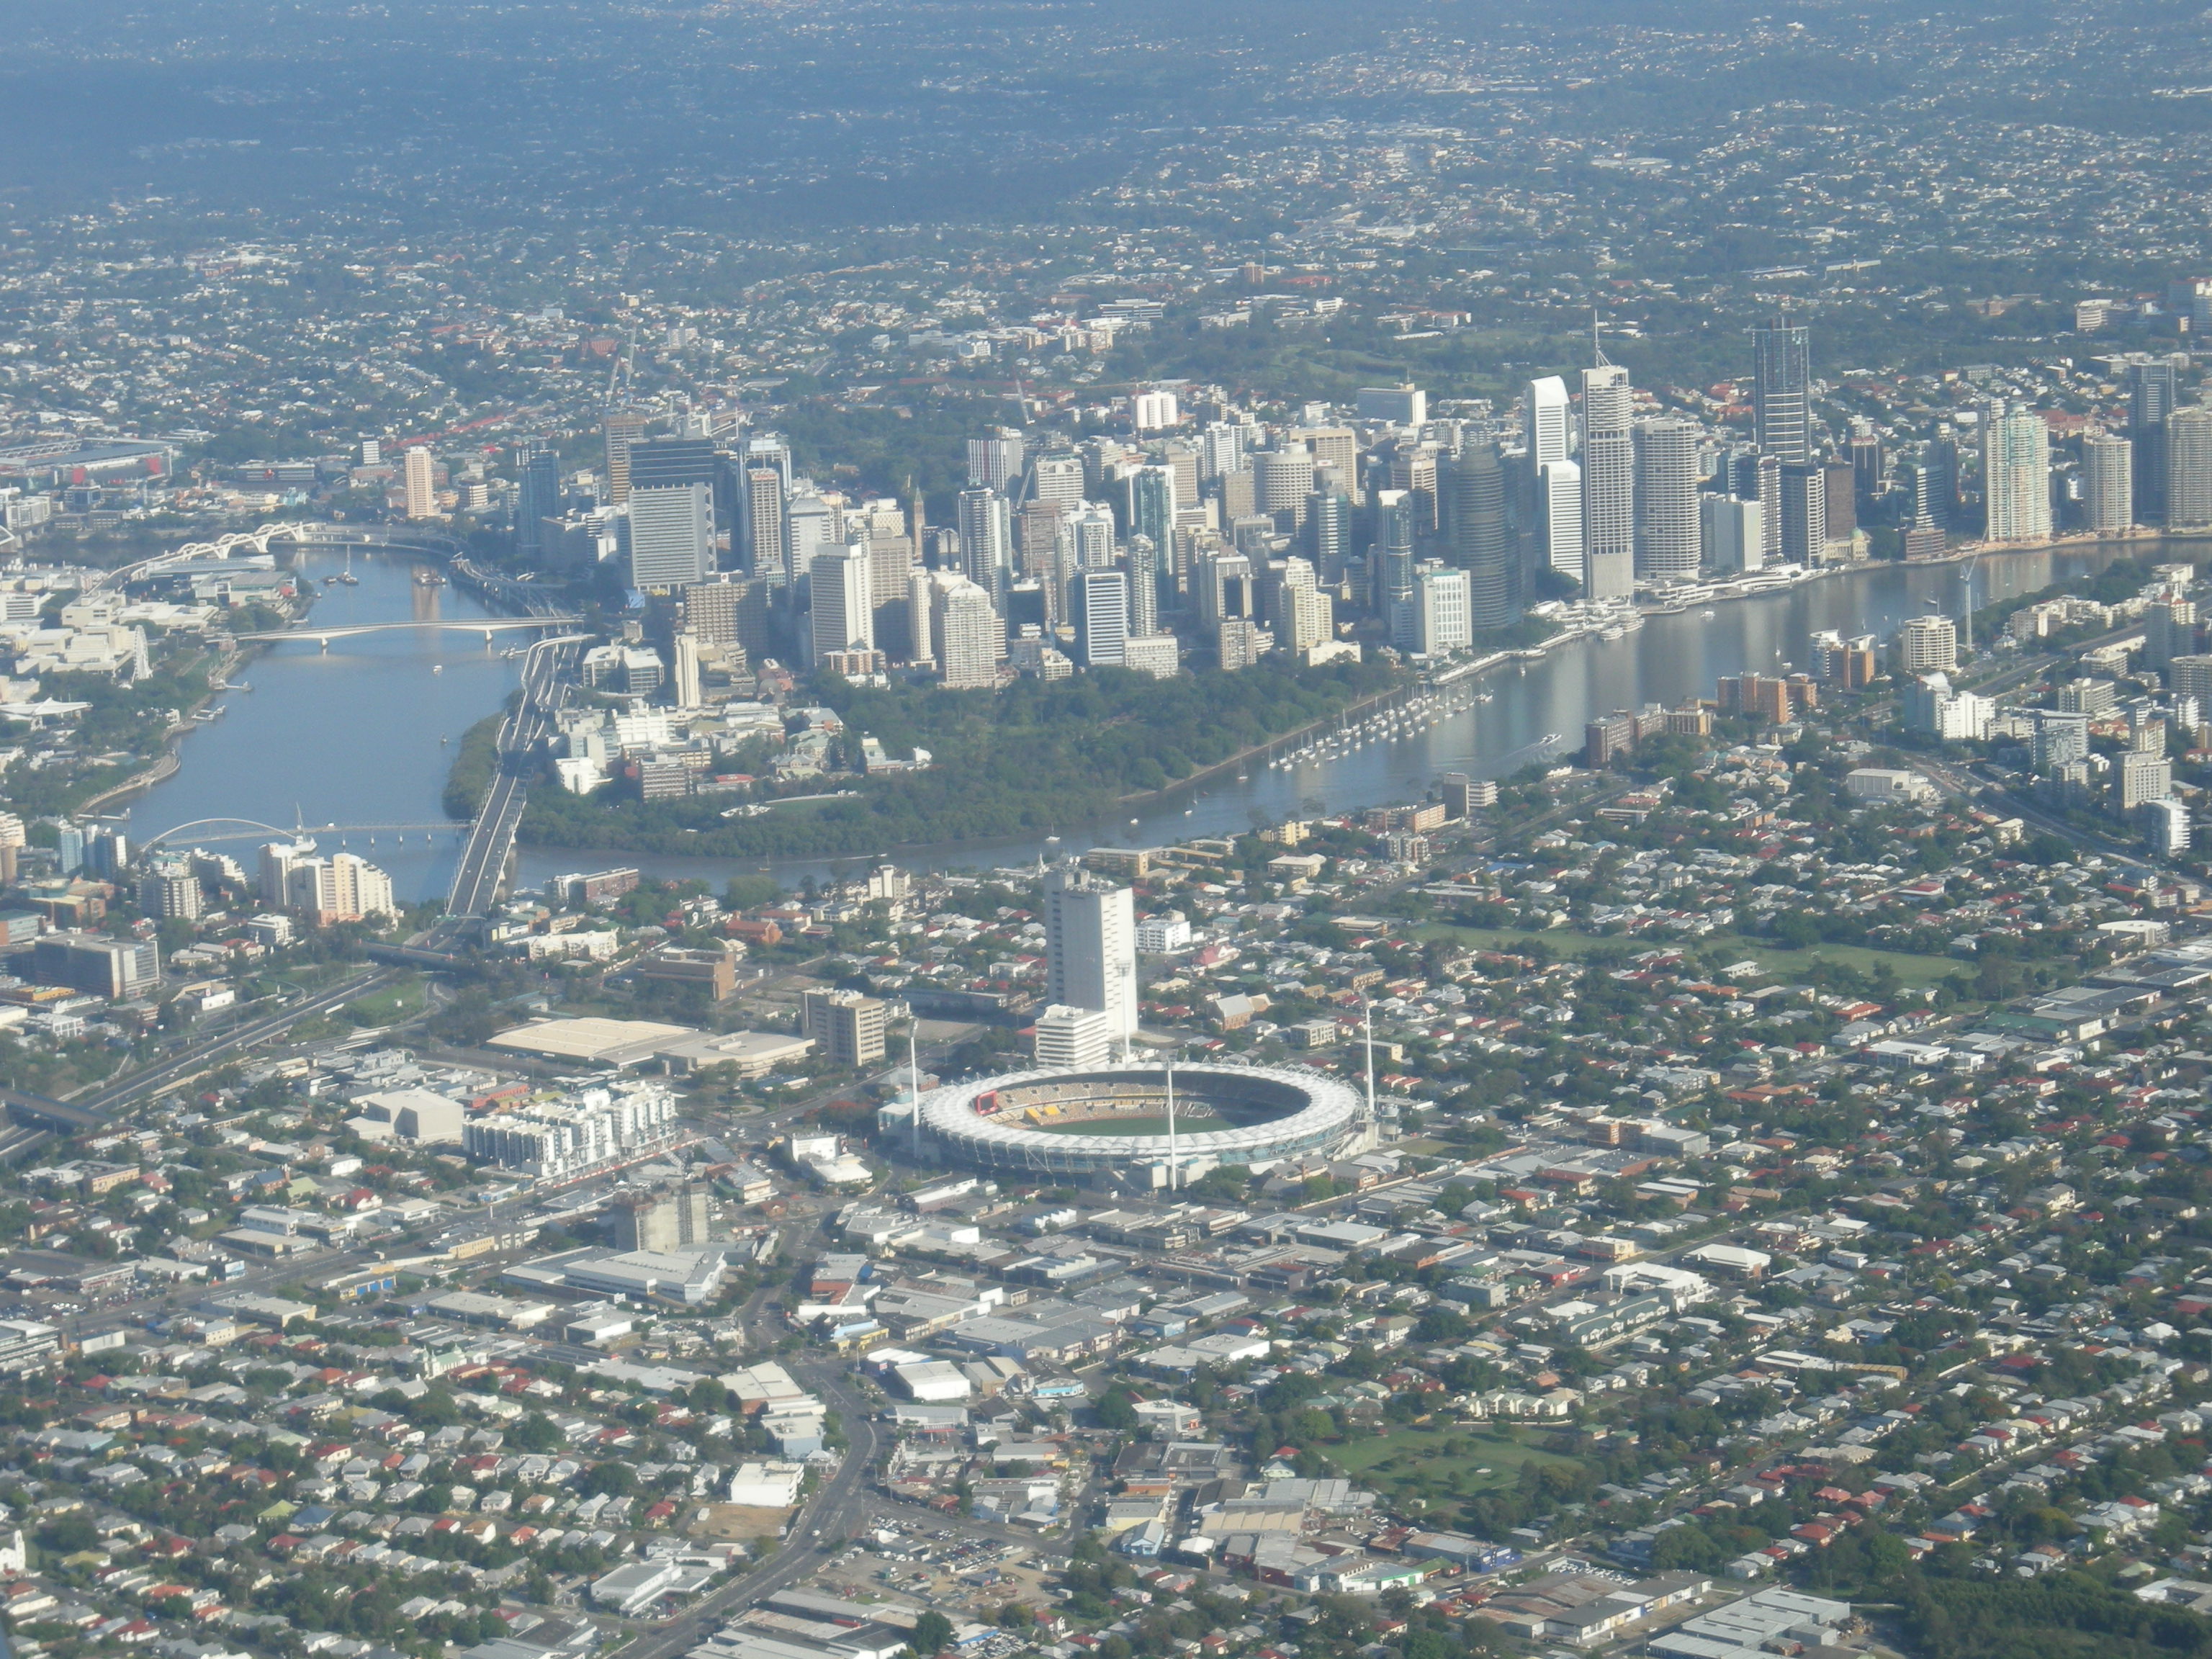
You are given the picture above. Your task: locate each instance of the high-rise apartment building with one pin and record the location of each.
(842, 600)
(1091, 947)
(1666, 529)
(2016, 476)
(1483, 545)
(419, 482)
(1781, 393)
(171, 891)
(2060, 735)
(2108, 482)
(1308, 617)
(2138, 778)
(341, 888)
(2169, 631)
(2189, 467)
(1608, 483)
(1441, 614)
(1928, 645)
(671, 512)
(847, 1027)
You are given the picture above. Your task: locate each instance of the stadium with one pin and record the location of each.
(1114, 1122)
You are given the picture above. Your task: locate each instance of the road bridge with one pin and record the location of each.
(486, 626)
(548, 674)
(199, 831)
(26, 1108)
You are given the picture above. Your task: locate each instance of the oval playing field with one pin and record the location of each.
(1080, 1123)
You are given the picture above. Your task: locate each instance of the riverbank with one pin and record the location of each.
(1039, 758)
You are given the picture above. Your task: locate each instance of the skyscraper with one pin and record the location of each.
(2108, 483)
(537, 496)
(1803, 489)
(1666, 531)
(987, 542)
(1560, 518)
(1608, 483)
(2189, 467)
(2016, 476)
(1142, 564)
(1329, 530)
(808, 528)
(1547, 422)
(954, 624)
(760, 524)
(671, 512)
(1100, 600)
(1393, 546)
(1781, 394)
(842, 596)
(1732, 539)
(1482, 541)
(621, 428)
(1152, 504)
(1091, 947)
(1282, 479)
(2154, 388)
(420, 479)
(1442, 618)
(1057, 478)
(993, 463)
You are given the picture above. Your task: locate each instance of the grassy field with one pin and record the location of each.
(1441, 1463)
(1910, 968)
(1187, 1124)
(388, 1006)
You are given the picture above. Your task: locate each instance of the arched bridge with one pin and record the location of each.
(203, 830)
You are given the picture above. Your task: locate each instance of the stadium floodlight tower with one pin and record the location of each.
(913, 1080)
(1367, 1022)
(1172, 1127)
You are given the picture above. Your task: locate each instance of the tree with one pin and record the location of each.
(535, 1433)
(1115, 1411)
(616, 1479)
(932, 1632)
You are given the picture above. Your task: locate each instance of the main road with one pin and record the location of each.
(820, 1529)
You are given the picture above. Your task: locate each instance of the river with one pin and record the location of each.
(358, 736)
(352, 736)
